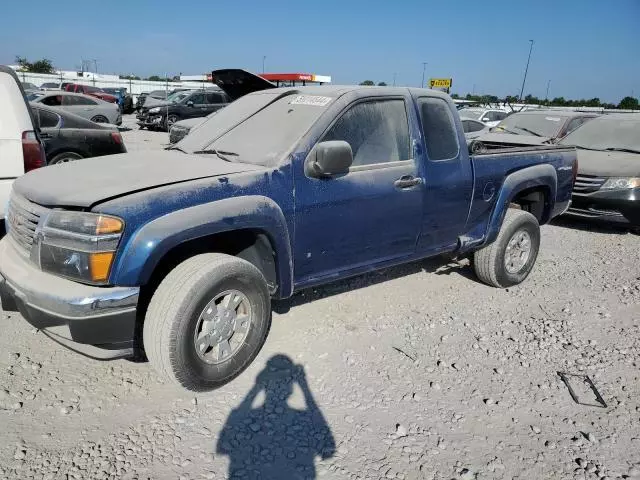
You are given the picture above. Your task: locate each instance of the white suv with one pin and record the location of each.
(20, 147)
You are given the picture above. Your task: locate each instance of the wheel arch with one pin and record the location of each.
(251, 227)
(533, 187)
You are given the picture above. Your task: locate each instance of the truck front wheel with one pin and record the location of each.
(207, 321)
(509, 260)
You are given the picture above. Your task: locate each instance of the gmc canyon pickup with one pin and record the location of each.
(177, 255)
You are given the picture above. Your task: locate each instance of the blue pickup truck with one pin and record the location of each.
(177, 255)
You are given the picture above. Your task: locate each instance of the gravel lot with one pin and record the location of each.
(416, 372)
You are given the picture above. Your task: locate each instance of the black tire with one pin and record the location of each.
(489, 262)
(175, 312)
(170, 120)
(65, 157)
(99, 119)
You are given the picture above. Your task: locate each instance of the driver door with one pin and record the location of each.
(373, 213)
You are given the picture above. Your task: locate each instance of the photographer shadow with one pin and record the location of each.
(275, 440)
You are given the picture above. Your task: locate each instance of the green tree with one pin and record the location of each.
(382, 84)
(629, 103)
(43, 65)
(455, 96)
(368, 82)
(129, 77)
(154, 78)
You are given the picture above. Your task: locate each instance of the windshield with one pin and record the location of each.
(49, 85)
(258, 128)
(176, 97)
(469, 113)
(533, 124)
(33, 96)
(607, 133)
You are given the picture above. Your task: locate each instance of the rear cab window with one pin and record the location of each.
(438, 128)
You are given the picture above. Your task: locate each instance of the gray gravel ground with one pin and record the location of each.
(416, 372)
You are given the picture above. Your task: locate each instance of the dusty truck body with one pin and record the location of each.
(177, 254)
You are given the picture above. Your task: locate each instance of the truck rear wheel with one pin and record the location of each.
(510, 259)
(207, 321)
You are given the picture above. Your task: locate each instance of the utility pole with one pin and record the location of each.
(546, 97)
(526, 70)
(473, 90)
(394, 79)
(95, 64)
(424, 67)
(264, 58)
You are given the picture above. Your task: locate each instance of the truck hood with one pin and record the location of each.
(608, 164)
(512, 139)
(87, 182)
(236, 82)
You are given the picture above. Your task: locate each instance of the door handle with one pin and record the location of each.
(407, 181)
(45, 135)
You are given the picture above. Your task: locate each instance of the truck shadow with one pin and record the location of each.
(592, 226)
(436, 265)
(275, 440)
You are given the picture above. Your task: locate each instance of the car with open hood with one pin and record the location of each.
(177, 255)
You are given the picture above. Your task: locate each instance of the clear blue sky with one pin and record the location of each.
(587, 48)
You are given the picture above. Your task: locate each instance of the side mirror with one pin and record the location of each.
(189, 103)
(328, 159)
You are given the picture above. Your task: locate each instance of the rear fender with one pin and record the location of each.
(530, 177)
(155, 239)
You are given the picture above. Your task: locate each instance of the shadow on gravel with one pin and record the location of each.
(437, 265)
(275, 440)
(593, 226)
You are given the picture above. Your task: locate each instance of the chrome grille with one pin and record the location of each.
(588, 183)
(22, 219)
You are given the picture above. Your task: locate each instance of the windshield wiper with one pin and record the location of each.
(220, 153)
(529, 131)
(616, 149)
(175, 148)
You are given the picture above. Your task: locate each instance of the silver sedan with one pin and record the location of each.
(85, 106)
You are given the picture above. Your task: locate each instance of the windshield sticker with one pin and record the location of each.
(552, 119)
(313, 100)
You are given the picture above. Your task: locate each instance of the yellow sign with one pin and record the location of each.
(440, 82)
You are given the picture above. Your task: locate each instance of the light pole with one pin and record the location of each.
(264, 58)
(394, 79)
(546, 97)
(526, 70)
(424, 67)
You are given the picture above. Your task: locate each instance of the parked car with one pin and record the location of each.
(91, 108)
(179, 106)
(92, 91)
(473, 128)
(50, 86)
(68, 137)
(140, 100)
(181, 129)
(124, 99)
(189, 245)
(608, 183)
(490, 117)
(533, 127)
(29, 87)
(20, 147)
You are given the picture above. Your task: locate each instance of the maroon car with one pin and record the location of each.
(93, 91)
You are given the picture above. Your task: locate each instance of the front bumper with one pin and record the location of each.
(150, 120)
(612, 206)
(95, 321)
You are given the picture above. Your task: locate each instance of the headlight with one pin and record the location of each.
(154, 110)
(621, 183)
(79, 245)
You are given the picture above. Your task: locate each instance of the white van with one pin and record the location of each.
(20, 147)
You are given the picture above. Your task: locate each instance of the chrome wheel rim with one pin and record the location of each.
(222, 327)
(518, 252)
